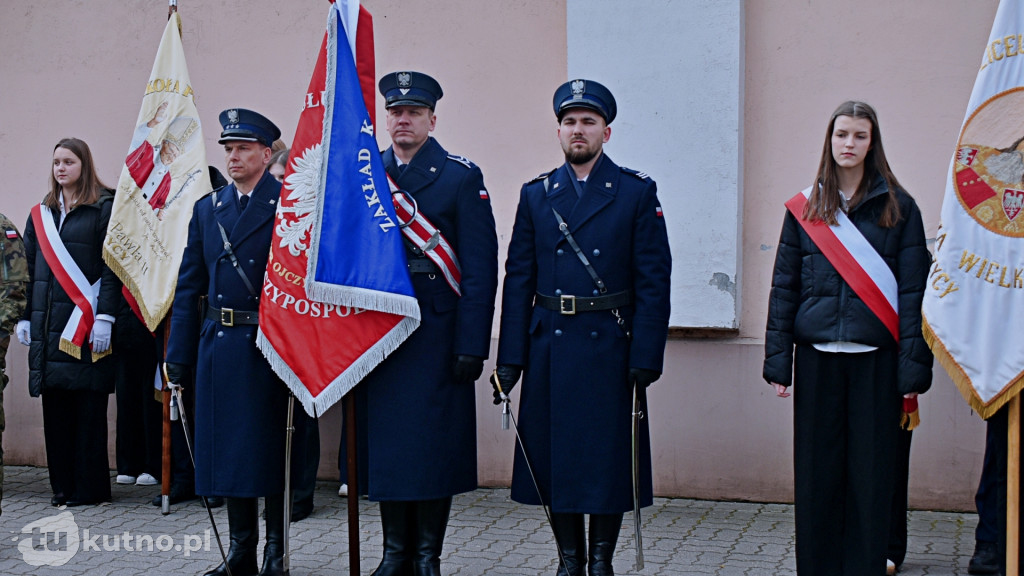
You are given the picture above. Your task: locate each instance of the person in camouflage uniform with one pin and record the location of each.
(13, 282)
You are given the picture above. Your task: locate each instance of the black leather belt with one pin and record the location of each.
(229, 317)
(422, 266)
(569, 305)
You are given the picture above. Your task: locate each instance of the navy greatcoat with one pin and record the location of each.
(240, 404)
(576, 401)
(420, 424)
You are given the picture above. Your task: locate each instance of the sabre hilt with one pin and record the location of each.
(505, 411)
(175, 414)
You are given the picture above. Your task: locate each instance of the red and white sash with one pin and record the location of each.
(856, 260)
(72, 280)
(427, 238)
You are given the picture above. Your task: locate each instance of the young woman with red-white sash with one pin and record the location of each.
(72, 302)
(844, 330)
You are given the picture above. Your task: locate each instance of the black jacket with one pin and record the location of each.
(49, 307)
(810, 302)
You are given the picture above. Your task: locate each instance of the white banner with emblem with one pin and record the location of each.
(975, 289)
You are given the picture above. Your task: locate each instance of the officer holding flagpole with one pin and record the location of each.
(419, 415)
(584, 315)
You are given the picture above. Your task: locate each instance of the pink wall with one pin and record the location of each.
(78, 68)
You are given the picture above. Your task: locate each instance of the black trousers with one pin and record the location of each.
(139, 415)
(75, 431)
(846, 416)
(898, 512)
(988, 495)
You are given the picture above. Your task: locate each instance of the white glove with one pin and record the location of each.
(100, 337)
(24, 332)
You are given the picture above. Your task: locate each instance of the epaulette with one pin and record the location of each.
(542, 176)
(210, 193)
(641, 175)
(461, 160)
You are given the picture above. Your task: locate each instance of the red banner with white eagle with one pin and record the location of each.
(337, 298)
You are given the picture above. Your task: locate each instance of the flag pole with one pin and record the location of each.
(172, 7)
(1013, 489)
(166, 469)
(165, 459)
(354, 489)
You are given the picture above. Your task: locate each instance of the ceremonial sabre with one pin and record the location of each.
(639, 402)
(289, 430)
(506, 415)
(176, 392)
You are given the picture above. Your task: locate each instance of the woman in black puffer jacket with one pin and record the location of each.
(852, 368)
(73, 380)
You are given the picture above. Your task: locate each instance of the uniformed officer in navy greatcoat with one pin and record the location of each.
(240, 404)
(560, 324)
(420, 404)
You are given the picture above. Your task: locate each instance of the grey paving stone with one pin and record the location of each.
(488, 535)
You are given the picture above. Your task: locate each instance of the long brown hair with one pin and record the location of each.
(89, 185)
(825, 201)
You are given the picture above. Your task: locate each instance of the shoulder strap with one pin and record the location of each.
(601, 287)
(231, 253)
(564, 229)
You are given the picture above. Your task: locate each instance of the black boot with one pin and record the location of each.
(273, 552)
(431, 523)
(604, 532)
(396, 519)
(571, 539)
(245, 534)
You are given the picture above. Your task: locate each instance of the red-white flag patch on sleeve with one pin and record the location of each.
(12, 234)
(658, 212)
(483, 195)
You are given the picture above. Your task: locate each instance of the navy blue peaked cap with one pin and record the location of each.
(581, 93)
(409, 89)
(248, 126)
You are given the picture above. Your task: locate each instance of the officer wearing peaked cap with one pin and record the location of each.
(240, 403)
(427, 384)
(561, 327)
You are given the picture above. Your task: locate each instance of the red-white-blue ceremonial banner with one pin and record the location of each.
(163, 175)
(976, 288)
(337, 298)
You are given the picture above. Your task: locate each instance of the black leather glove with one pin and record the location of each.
(468, 368)
(508, 375)
(642, 377)
(177, 373)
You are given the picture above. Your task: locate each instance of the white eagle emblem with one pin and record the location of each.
(404, 80)
(578, 88)
(297, 216)
(232, 116)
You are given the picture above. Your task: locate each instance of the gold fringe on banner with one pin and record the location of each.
(963, 382)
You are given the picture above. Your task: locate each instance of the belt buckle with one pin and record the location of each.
(567, 305)
(227, 316)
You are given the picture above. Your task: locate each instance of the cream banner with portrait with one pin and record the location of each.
(164, 173)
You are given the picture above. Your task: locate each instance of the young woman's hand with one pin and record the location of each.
(780, 390)
(100, 338)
